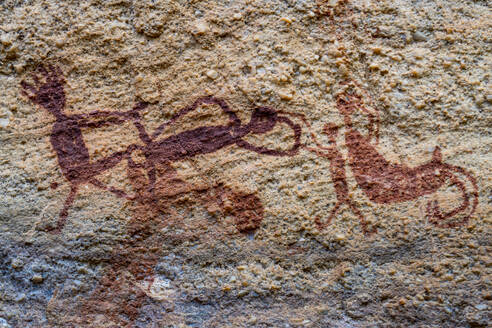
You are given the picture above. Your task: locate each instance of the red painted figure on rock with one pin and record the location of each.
(385, 182)
(73, 155)
(339, 178)
(208, 139)
(66, 135)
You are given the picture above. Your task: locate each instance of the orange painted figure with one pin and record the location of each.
(385, 182)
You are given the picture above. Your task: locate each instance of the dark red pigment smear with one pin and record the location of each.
(117, 297)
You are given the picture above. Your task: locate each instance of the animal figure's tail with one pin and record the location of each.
(435, 214)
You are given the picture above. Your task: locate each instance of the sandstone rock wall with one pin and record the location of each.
(245, 163)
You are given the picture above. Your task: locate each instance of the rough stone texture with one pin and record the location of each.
(230, 233)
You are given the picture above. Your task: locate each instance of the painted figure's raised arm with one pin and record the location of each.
(104, 118)
(47, 89)
(200, 101)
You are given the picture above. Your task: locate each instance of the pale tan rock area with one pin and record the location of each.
(310, 163)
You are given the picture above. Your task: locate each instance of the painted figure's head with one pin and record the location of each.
(47, 90)
(52, 98)
(348, 103)
(262, 120)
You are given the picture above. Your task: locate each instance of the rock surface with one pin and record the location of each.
(245, 163)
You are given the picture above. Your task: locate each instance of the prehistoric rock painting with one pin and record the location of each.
(339, 178)
(121, 292)
(208, 139)
(73, 155)
(384, 182)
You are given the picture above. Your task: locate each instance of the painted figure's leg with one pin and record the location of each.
(118, 192)
(335, 210)
(362, 220)
(62, 219)
(151, 172)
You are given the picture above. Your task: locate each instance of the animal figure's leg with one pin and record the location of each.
(334, 211)
(362, 220)
(64, 212)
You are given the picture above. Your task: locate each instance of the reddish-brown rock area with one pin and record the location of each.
(294, 163)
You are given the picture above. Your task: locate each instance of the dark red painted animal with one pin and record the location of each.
(66, 135)
(384, 182)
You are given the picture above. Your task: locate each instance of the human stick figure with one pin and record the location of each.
(66, 135)
(337, 172)
(339, 178)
